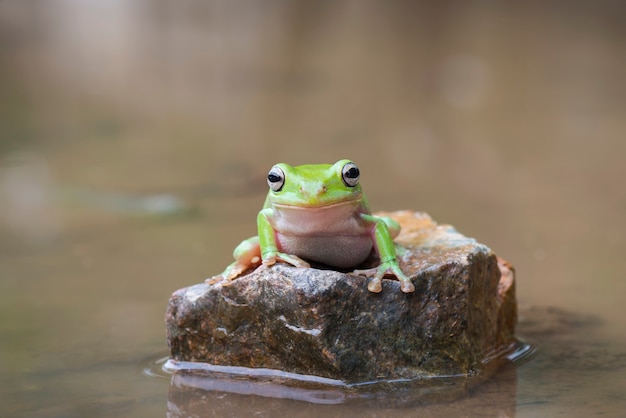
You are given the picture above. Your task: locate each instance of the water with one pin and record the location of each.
(134, 141)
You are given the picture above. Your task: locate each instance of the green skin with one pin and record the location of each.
(319, 213)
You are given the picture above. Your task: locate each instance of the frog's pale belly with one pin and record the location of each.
(341, 251)
(333, 235)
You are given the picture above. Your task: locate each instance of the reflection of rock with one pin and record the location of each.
(193, 394)
(326, 323)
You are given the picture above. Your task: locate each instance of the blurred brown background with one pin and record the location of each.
(135, 137)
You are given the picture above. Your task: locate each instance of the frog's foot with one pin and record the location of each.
(233, 271)
(271, 259)
(384, 269)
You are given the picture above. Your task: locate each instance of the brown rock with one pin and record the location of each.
(326, 323)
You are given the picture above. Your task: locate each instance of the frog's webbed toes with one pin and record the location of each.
(375, 284)
(231, 273)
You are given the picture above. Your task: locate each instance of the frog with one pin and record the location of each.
(318, 213)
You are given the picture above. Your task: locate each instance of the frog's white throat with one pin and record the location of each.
(343, 218)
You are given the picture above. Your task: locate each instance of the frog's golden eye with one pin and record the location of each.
(350, 174)
(276, 178)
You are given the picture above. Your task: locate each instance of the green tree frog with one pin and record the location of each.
(318, 212)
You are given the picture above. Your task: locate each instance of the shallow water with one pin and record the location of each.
(135, 137)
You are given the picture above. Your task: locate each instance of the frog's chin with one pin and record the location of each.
(304, 222)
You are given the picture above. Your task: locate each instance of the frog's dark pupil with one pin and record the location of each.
(352, 173)
(273, 178)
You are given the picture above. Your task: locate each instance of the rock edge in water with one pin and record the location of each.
(326, 323)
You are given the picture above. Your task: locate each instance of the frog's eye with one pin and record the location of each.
(276, 178)
(350, 174)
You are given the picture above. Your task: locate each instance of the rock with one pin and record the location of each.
(326, 323)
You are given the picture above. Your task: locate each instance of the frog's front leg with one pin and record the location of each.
(247, 255)
(387, 253)
(269, 248)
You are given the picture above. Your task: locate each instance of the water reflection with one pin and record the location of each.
(196, 387)
(190, 391)
(211, 395)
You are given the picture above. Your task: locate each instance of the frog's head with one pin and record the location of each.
(314, 185)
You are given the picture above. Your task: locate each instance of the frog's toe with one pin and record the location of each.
(219, 278)
(406, 286)
(294, 260)
(405, 283)
(269, 261)
(375, 285)
(215, 279)
(231, 273)
(366, 272)
(235, 271)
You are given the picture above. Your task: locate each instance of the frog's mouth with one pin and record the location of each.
(314, 195)
(355, 201)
